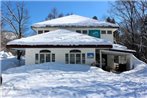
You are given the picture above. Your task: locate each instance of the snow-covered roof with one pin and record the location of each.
(60, 37)
(118, 47)
(74, 21)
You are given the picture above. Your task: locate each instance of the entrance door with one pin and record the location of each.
(75, 58)
(94, 33)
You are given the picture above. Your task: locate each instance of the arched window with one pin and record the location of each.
(72, 51)
(75, 57)
(45, 56)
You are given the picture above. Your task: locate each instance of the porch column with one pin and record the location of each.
(100, 59)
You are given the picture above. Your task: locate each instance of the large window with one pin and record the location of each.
(46, 31)
(75, 57)
(44, 56)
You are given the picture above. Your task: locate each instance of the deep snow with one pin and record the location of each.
(52, 80)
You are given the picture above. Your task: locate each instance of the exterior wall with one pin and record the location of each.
(103, 36)
(59, 54)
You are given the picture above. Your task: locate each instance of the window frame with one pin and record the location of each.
(108, 32)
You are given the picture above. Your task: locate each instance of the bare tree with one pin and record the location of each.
(54, 13)
(15, 16)
(131, 15)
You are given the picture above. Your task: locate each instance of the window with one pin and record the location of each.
(46, 31)
(78, 58)
(84, 32)
(83, 58)
(75, 57)
(79, 31)
(48, 59)
(103, 32)
(44, 56)
(66, 58)
(36, 59)
(53, 57)
(109, 32)
(40, 31)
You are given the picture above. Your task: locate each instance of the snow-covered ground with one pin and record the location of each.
(7, 60)
(52, 80)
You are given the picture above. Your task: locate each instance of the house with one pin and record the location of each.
(74, 39)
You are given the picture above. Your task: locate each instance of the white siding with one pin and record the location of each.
(59, 54)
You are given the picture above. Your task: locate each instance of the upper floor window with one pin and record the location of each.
(103, 32)
(40, 31)
(46, 31)
(84, 32)
(109, 32)
(79, 31)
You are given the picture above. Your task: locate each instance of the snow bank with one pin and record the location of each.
(7, 60)
(140, 68)
(4, 54)
(53, 80)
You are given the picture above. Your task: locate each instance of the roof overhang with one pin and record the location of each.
(124, 51)
(59, 46)
(61, 26)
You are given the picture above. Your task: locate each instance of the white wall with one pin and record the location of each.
(59, 54)
(103, 36)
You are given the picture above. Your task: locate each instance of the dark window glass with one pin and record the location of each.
(72, 58)
(66, 58)
(42, 59)
(48, 58)
(84, 31)
(53, 57)
(109, 32)
(79, 31)
(103, 32)
(78, 58)
(46, 30)
(83, 58)
(40, 31)
(44, 51)
(36, 58)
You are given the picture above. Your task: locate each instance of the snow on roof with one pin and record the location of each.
(60, 37)
(74, 21)
(121, 48)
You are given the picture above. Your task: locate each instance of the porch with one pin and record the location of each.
(114, 61)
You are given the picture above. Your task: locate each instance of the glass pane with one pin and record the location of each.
(66, 59)
(83, 58)
(78, 58)
(109, 32)
(103, 32)
(47, 57)
(78, 31)
(42, 58)
(72, 58)
(53, 57)
(84, 31)
(36, 58)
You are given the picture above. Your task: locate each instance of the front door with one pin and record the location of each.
(94, 33)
